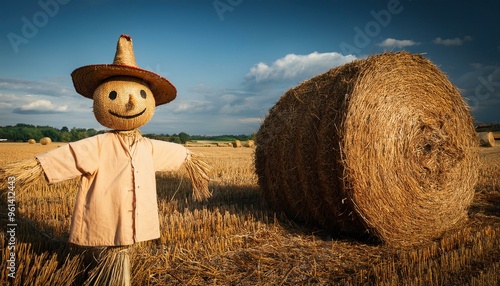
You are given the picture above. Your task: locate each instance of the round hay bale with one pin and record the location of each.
(384, 145)
(486, 139)
(250, 143)
(237, 144)
(31, 141)
(45, 141)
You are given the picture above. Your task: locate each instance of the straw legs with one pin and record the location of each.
(111, 266)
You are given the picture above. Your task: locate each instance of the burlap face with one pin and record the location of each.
(123, 103)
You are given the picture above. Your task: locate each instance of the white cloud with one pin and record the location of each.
(390, 43)
(5, 105)
(34, 87)
(294, 66)
(41, 106)
(476, 66)
(190, 106)
(452, 42)
(251, 120)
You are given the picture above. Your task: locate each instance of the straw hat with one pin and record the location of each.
(87, 78)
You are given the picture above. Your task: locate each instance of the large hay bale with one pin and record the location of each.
(45, 141)
(31, 141)
(384, 145)
(486, 139)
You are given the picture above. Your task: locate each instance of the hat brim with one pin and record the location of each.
(87, 78)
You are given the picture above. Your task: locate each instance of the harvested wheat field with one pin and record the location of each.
(235, 239)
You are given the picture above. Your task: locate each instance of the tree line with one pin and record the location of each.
(23, 132)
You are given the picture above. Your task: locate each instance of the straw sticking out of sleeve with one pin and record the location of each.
(198, 173)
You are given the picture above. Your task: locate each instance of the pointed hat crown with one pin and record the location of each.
(125, 52)
(87, 78)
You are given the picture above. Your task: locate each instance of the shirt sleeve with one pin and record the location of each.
(71, 160)
(168, 156)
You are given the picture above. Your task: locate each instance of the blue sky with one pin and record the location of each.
(231, 60)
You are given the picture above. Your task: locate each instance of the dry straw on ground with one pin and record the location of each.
(234, 239)
(486, 139)
(384, 145)
(45, 141)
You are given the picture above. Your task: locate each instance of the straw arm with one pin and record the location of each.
(198, 173)
(27, 172)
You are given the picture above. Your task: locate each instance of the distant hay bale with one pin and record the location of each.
(236, 143)
(384, 145)
(31, 141)
(250, 143)
(486, 139)
(45, 141)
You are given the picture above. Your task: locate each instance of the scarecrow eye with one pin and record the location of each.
(112, 95)
(143, 94)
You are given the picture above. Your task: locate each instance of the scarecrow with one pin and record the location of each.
(116, 205)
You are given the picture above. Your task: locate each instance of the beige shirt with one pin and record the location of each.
(116, 204)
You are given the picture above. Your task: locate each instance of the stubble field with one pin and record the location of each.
(235, 239)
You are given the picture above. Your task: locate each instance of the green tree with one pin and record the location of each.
(91, 132)
(52, 134)
(175, 139)
(65, 137)
(184, 137)
(26, 133)
(78, 133)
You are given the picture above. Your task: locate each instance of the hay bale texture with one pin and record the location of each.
(486, 139)
(250, 143)
(383, 145)
(31, 141)
(45, 141)
(237, 144)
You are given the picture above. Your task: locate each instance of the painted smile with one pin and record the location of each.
(127, 116)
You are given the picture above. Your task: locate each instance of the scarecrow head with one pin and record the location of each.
(125, 96)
